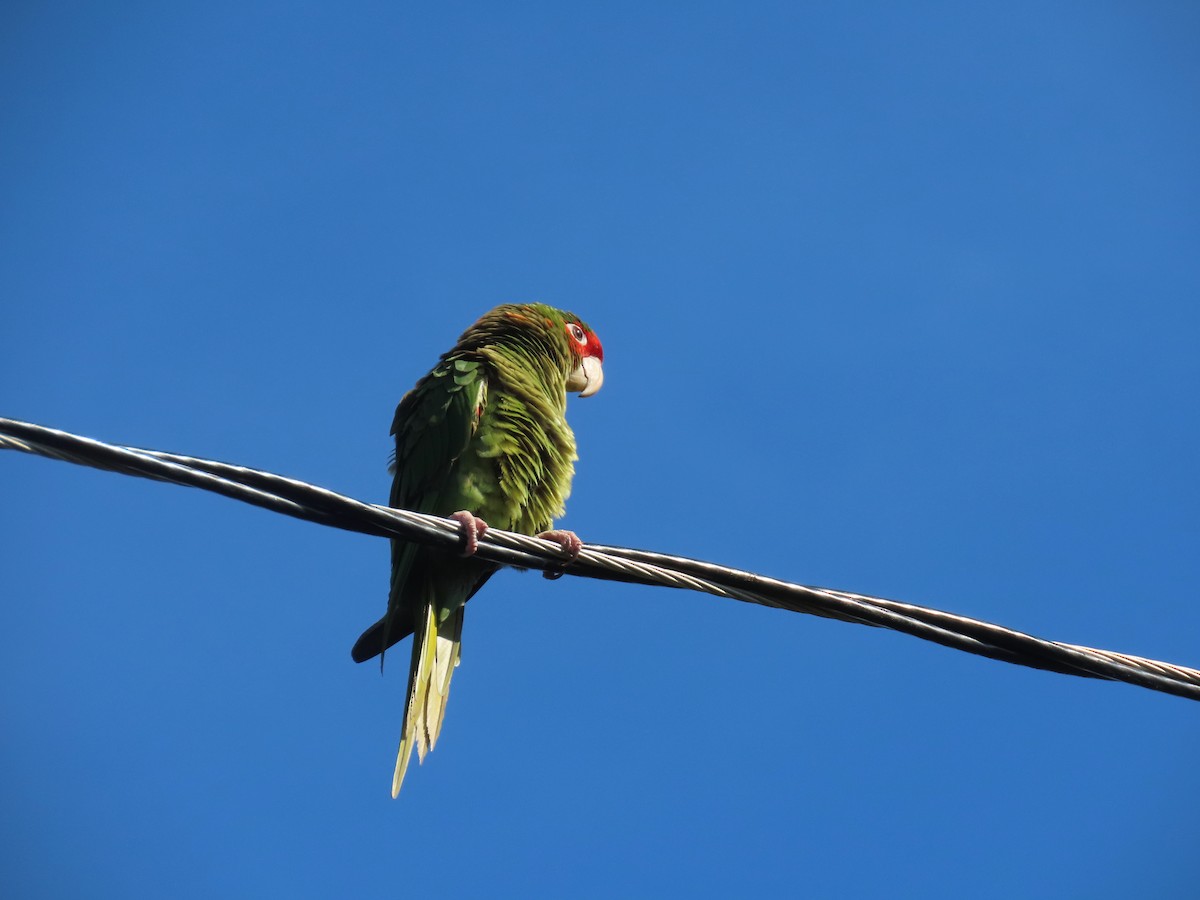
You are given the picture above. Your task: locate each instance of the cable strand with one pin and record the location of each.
(299, 499)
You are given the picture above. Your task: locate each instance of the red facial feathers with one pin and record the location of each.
(585, 340)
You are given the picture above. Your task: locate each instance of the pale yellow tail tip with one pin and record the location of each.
(401, 767)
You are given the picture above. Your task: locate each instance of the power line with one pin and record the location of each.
(301, 500)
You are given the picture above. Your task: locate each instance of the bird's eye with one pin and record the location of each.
(577, 333)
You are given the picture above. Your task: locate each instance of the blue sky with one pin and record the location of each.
(899, 299)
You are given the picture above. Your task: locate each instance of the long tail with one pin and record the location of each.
(435, 654)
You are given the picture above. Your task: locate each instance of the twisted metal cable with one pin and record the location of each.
(315, 504)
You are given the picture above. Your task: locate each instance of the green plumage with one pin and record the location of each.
(485, 432)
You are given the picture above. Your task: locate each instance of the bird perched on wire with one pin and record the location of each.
(483, 438)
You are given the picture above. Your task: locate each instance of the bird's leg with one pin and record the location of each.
(570, 543)
(472, 528)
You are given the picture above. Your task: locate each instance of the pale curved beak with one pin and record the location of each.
(587, 377)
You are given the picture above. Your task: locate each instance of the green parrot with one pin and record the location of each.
(483, 438)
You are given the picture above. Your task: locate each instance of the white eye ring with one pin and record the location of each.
(577, 333)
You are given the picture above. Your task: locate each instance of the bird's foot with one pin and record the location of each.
(472, 529)
(569, 542)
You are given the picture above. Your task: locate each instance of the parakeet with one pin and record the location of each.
(482, 438)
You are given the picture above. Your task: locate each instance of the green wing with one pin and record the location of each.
(433, 427)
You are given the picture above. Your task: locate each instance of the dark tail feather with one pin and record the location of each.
(370, 643)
